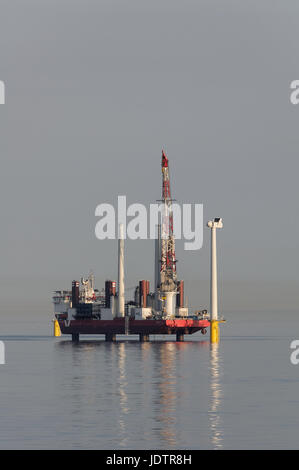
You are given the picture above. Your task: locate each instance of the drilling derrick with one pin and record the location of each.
(168, 275)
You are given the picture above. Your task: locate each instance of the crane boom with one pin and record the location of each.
(168, 260)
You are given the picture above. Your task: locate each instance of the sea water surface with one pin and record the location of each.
(243, 393)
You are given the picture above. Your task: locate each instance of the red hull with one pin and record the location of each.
(134, 327)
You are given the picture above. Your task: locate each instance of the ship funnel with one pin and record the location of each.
(75, 294)
(121, 272)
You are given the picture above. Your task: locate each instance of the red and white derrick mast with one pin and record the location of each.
(168, 275)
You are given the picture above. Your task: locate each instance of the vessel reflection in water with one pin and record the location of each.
(123, 385)
(216, 372)
(167, 393)
(132, 395)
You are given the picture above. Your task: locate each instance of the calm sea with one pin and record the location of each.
(242, 394)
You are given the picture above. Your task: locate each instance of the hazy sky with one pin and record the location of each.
(95, 89)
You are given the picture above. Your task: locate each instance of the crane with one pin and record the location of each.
(168, 274)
